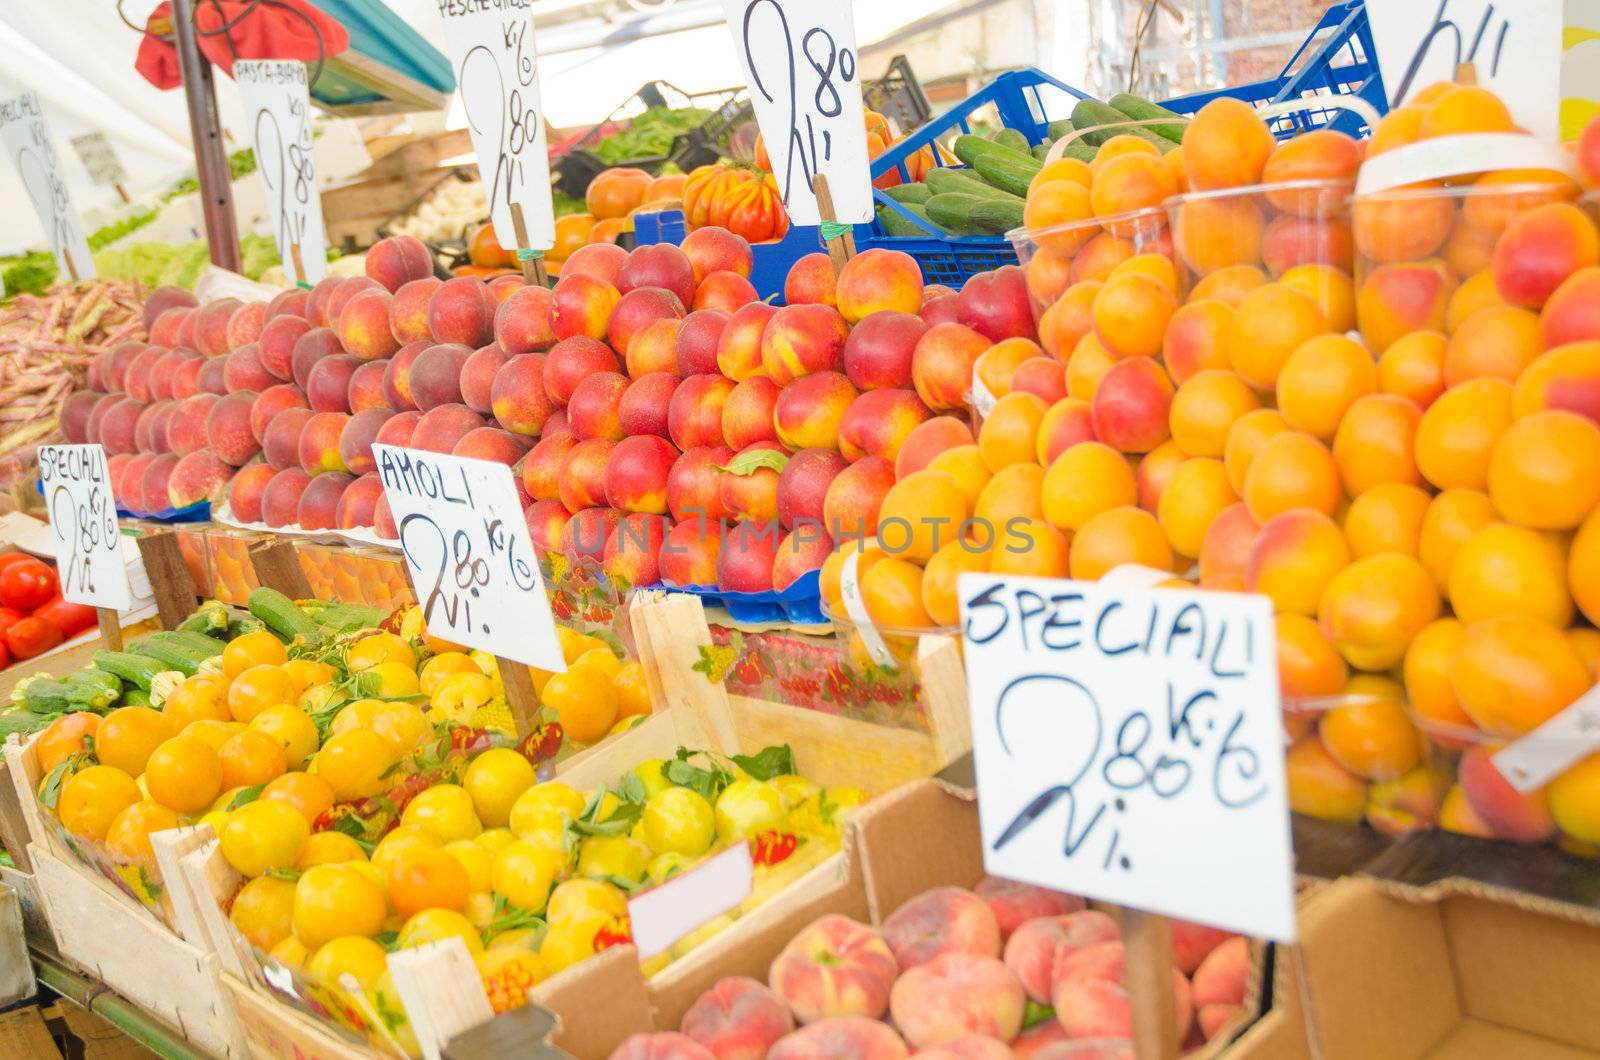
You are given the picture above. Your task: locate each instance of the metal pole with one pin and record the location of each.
(210, 156)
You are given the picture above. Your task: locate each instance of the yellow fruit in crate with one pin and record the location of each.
(680, 821)
(794, 789)
(746, 808)
(402, 724)
(1575, 800)
(353, 764)
(401, 838)
(523, 873)
(184, 774)
(307, 793)
(200, 698)
(128, 735)
(578, 899)
(263, 835)
(215, 733)
(543, 826)
(308, 673)
(378, 648)
(602, 659)
(432, 925)
(290, 952)
(250, 758)
(571, 941)
(479, 910)
(263, 911)
(495, 840)
(330, 848)
(445, 810)
(335, 900)
(516, 939)
(256, 689)
(553, 794)
(318, 698)
(508, 975)
(612, 857)
(769, 880)
(290, 728)
(388, 680)
(129, 834)
(584, 701)
(665, 866)
(356, 714)
(92, 798)
(650, 775)
(822, 815)
(633, 690)
(459, 695)
(437, 669)
(259, 648)
(352, 955)
(495, 780)
(477, 860)
(702, 934)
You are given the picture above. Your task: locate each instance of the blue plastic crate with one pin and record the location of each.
(771, 263)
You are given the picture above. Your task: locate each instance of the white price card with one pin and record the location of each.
(100, 159)
(278, 111)
(1129, 747)
(83, 520)
(497, 73)
(667, 912)
(27, 141)
(1533, 760)
(1515, 48)
(471, 560)
(799, 59)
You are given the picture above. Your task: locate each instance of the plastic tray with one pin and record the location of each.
(800, 603)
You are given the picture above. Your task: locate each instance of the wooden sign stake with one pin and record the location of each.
(1467, 74)
(277, 566)
(110, 628)
(1154, 1007)
(175, 591)
(842, 247)
(72, 268)
(532, 268)
(521, 696)
(122, 193)
(299, 263)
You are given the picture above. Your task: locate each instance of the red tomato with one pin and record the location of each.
(9, 615)
(27, 584)
(5, 656)
(9, 558)
(32, 636)
(70, 619)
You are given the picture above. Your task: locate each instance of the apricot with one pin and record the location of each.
(1228, 285)
(1374, 607)
(1456, 435)
(1292, 470)
(1227, 145)
(1386, 518)
(1131, 312)
(1401, 226)
(1269, 324)
(1371, 736)
(1014, 493)
(1293, 558)
(1583, 567)
(922, 510)
(1247, 436)
(1320, 787)
(1196, 339)
(1084, 481)
(1567, 377)
(1066, 322)
(1205, 408)
(1155, 471)
(1030, 547)
(1572, 313)
(1413, 367)
(1087, 365)
(1497, 342)
(1321, 379)
(1117, 537)
(1131, 405)
(1196, 495)
(1540, 250)
(1374, 443)
(1476, 292)
(1330, 288)
(1065, 424)
(1544, 471)
(1010, 433)
(1309, 667)
(1511, 674)
(1396, 300)
(1575, 800)
(1213, 234)
(1510, 570)
(1225, 549)
(1452, 517)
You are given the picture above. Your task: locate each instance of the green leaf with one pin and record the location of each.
(748, 463)
(50, 792)
(1036, 1014)
(245, 796)
(630, 789)
(150, 886)
(625, 885)
(622, 819)
(351, 826)
(769, 762)
(387, 940)
(292, 875)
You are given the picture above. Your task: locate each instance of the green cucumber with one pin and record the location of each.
(1042, 151)
(282, 616)
(908, 192)
(997, 217)
(170, 656)
(136, 697)
(47, 695)
(199, 645)
(248, 624)
(25, 722)
(1011, 138)
(947, 181)
(1144, 110)
(138, 670)
(969, 148)
(212, 617)
(1081, 150)
(953, 212)
(1007, 174)
(1090, 113)
(895, 225)
(1058, 129)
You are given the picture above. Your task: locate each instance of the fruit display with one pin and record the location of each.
(608, 209)
(33, 616)
(732, 196)
(1004, 969)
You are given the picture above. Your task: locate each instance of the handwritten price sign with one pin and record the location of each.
(497, 72)
(1129, 747)
(472, 563)
(800, 63)
(276, 106)
(27, 141)
(100, 159)
(83, 517)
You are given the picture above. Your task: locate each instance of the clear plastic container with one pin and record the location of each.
(1230, 240)
(1057, 257)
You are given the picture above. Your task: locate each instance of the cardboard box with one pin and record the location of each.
(1454, 971)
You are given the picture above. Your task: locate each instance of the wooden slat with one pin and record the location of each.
(442, 992)
(174, 589)
(273, 1030)
(420, 153)
(277, 566)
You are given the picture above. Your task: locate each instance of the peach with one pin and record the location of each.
(1090, 994)
(280, 442)
(695, 351)
(585, 535)
(944, 309)
(364, 326)
(694, 485)
(690, 552)
(834, 967)
(122, 356)
(851, 506)
(1396, 300)
(398, 428)
(942, 362)
(522, 321)
(383, 521)
(744, 565)
(540, 472)
(637, 310)
(397, 260)
(154, 493)
(119, 426)
(1540, 250)
(546, 520)
(186, 376)
(659, 265)
(319, 501)
(726, 291)
(228, 430)
(1511, 814)
(572, 360)
(211, 377)
(518, 394)
(165, 325)
(646, 404)
(185, 336)
(1043, 377)
(1013, 903)
(75, 413)
(408, 310)
(811, 281)
(996, 305)
(739, 347)
(1219, 984)
(211, 326)
(138, 378)
(305, 351)
(1131, 405)
(319, 442)
(738, 1018)
(477, 377)
(693, 413)
(632, 554)
(461, 311)
(143, 438)
(600, 261)
(809, 411)
(581, 483)
(164, 298)
(802, 551)
(750, 486)
(292, 301)
(582, 305)
(595, 409)
(162, 373)
(355, 441)
(125, 472)
(927, 440)
(878, 352)
(712, 249)
(878, 422)
(845, 1036)
(654, 349)
(1036, 945)
(341, 295)
(803, 486)
(441, 427)
(97, 416)
(246, 490)
(747, 412)
(242, 370)
(879, 280)
(939, 921)
(198, 477)
(636, 474)
(358, 504)
(186, 430)
(1048, 1041)
(969, 1047)
(1192, 942)
(955, 995)
(802, 339)
(317, 301)
(434, 377)
(328, 384)
(662, 1045)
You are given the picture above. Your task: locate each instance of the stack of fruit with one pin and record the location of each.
(610, 204)
(33, 616)
(1003, 970)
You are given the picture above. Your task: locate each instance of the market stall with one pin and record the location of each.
(1069, 575)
